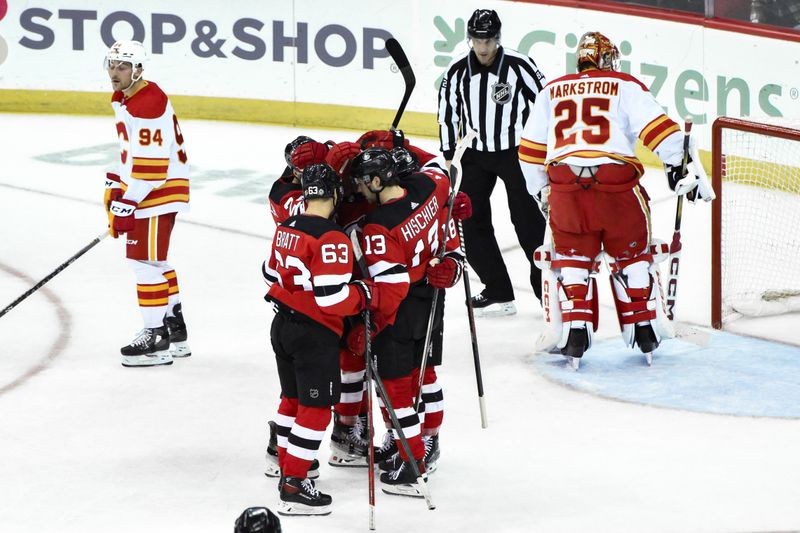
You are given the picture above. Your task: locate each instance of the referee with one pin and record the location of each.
(491, 90)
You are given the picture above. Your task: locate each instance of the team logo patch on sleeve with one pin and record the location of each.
(501, 92)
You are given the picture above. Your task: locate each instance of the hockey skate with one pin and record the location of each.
(387, 450)
(646, 341)
(177, 333)
(273, 469)
(348, 447)
(489, 307)
(432, 453)
(402, 480)
(149, 348)
(577, 343)
(301, 497)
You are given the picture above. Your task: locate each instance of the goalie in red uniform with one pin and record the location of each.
(142, 199)
(578, 156)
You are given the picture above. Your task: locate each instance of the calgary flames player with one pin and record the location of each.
(310, 272)
(400, 239)
(581, 135)
(142, 199)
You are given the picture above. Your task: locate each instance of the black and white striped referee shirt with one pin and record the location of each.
(495, 101)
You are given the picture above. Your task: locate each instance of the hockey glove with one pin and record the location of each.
(445, 274)
(543, 200)
(122, 211)
(341, 155)
(680, 183)
(382, 139)
(368, 293)
(357, 337)
(309, 154)
(462, 206)
(112, 193)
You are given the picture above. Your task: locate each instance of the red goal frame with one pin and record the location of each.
(718, 164)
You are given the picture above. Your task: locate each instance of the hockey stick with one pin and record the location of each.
(367, 364)
(401, 61)
(472, 332)
(675, 245)
(370, 423)
(455, 178)
(53, 274)
(372, 371)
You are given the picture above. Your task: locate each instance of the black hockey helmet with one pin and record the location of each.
(321, 181)
(257, 520)
(484, 24)
(375, 162)
(405, 161)
(292, 146)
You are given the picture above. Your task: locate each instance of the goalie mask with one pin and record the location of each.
(132, 52)
(596, 50)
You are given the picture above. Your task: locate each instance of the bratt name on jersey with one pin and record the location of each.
(284, 239)
(420, 220)
(584, 87)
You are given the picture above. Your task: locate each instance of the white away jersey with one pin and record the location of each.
(594, 117)
(153, 165)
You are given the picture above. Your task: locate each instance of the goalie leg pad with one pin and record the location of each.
(578, 303)
(550, 336)
(635, 298)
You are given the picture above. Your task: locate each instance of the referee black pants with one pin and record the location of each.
(480, 173)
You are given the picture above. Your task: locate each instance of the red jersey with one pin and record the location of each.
(286, 198)
(401, 236)
(310, 269)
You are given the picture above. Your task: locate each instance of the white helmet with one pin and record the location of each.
(129, 52)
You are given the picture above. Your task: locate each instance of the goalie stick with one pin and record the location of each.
(372, 372)
(55, 272)
(675, 246)
(402, 63)
(455, 179)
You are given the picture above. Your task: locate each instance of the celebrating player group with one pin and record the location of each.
(394, 198)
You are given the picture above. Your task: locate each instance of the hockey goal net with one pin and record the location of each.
(756, 220)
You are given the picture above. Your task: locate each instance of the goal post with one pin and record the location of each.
(755, 259)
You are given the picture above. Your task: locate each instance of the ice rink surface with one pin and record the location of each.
(88, 446)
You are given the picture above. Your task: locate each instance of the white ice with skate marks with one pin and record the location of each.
(181, 448)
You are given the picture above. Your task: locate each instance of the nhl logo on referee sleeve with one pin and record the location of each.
(501, 92)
